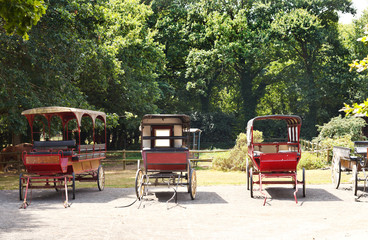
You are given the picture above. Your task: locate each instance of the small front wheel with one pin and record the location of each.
(100, 178)
(192, 183)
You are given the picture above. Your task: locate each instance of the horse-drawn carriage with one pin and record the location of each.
(344, 160)
(274, 158)
(165, 154)
(66, 152)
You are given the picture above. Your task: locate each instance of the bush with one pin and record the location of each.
(311, 161)
(339, 127)
(235, 158)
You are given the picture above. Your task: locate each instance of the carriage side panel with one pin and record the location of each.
(165, 161)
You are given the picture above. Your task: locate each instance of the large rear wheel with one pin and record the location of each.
(73, 185)
(304, 189)
(21, 187)
(355, 179)
(100, 178)
(251, 182)
(192, 183)
(139, 183)
(247, 169)
(336, 171)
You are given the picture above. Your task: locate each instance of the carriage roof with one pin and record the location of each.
(291, 120)
(185, 119)
(66, 113)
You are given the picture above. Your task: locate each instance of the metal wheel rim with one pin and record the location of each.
(139, 184)
(336, 172)
(355, 179)
(21, 187)
(100, 178)
(247, 169)
(304, 189)
(193, 184)
(251, 182)
(73, 185)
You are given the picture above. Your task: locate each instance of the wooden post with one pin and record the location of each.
(124, 158)
(19, 161)
(328, 155)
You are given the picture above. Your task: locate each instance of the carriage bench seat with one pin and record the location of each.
(181, 149)
(89, 151)
(63, 153)
(49, 145)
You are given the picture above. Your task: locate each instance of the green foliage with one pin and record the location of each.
(20, 15)
(235, 158)
(311, 161)
(218, 129)
(339, 127)
(343, 141)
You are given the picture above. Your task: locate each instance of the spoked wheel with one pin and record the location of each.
(251, 182)
(139, 183)
(73, 185)
(336, 171)
(247, 169)
(304, 189)
(21, 187)
(355, 179)
(192, 183)
(100, 178)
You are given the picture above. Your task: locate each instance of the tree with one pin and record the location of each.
(19, 16)
(309, 32)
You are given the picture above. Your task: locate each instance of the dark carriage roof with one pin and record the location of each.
(184, 118)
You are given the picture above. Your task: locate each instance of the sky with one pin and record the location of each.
(360, 5)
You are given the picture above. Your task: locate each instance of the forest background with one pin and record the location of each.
(222, 62)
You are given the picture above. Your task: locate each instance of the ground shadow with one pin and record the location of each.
(183, 197)
(312, 194)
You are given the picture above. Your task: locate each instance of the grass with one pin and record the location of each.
(116, 177)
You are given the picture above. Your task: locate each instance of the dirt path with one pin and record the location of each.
(219, 212)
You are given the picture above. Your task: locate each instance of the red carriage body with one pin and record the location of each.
(62, 162)
(275, 159)
(165, 153)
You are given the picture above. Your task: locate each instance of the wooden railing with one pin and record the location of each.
(308, 146)
(121, 158)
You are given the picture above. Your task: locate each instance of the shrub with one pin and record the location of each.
(338, 127)
(311, 161)
(235, 158)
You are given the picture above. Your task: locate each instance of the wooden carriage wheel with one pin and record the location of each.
(304, 189)
(336, 171)
(21, 187)
(139, 183)
(192, 183)
(100, 178)
(73, 184)
(355, 179)
(247, 169)
(251, 182)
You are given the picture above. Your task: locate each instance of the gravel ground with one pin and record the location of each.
(218, 212)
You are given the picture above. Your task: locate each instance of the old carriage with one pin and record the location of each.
(344, 159)
(68, 146)
(165, 154)
(274, 157)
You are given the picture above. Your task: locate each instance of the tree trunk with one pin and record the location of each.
(249, 100)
